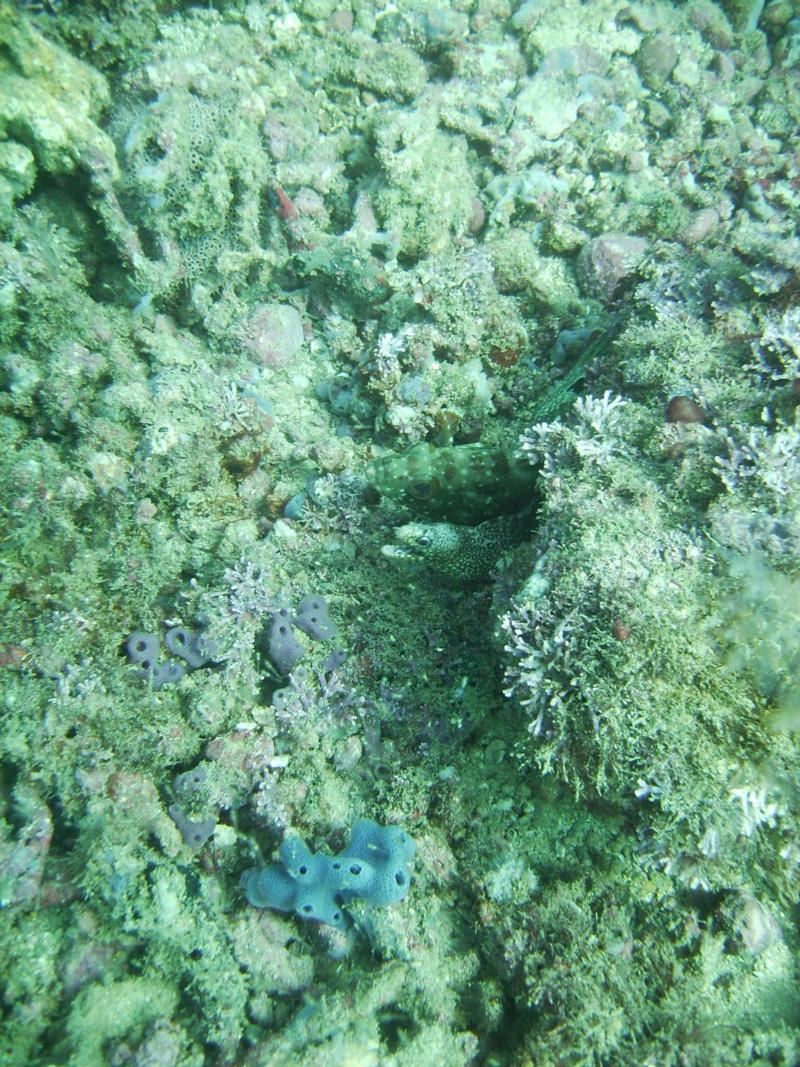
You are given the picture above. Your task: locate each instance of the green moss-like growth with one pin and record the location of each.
(49, 100)
(103, 1013)
(617, 658)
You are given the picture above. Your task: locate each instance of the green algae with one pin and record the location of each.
(102, 1013)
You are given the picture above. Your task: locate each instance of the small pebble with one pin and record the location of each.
(684, 409)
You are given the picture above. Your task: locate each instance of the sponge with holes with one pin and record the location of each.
(373, 867)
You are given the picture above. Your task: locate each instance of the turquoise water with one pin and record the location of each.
(399, 423)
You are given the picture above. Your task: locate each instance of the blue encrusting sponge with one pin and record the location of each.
(373, 867)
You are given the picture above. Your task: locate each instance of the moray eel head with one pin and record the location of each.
(424, 542)
(459, 553)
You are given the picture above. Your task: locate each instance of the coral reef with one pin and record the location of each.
(291, 293)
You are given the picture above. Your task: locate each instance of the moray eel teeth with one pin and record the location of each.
(403, 552)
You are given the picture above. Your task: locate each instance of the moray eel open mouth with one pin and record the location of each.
(413, 541)
(460, 553)
(403, 552)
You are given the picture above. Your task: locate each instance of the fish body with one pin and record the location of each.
(461, 484)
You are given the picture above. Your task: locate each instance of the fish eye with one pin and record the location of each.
(424, 540)
(422, 490)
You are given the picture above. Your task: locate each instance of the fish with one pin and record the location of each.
(460, 484)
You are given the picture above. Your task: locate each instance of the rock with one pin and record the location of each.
(656, 58)
(273, 334)
(607, 260)
(701, 225)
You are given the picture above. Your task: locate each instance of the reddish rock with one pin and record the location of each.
(607, 260)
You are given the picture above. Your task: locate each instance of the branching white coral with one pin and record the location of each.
(312, 696)
(597, 413)
(387, 354)
(593, 437)
(249, 592)
(777, 351)
(757, 809)
(539, 673)
(769, 461)
(239, 410)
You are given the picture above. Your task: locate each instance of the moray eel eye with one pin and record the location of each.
(423, 541)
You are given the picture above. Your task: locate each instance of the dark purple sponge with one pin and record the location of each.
(312, 618)
(283, 647)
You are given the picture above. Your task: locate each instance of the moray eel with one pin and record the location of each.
(459, 553)
(479, 501)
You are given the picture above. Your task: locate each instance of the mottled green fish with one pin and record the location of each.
(463, 484)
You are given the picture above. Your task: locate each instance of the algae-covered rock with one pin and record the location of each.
(104, 1012)
(50, 107)
(744, 14)
(50, 102)
(427, 196)
(17, 175)
(389, 69)
(607, 261)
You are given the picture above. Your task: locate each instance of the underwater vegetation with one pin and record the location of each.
(400, 487)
